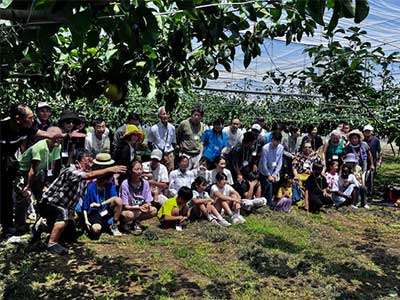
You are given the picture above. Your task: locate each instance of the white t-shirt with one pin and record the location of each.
(227, 190)
(233, 138)
(159, 174)
(344, 183)
(177, 179)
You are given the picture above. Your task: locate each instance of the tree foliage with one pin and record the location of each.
(159, 47)
(352, 72)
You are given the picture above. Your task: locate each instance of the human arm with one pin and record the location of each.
(101, 172)
(278, 161)
(232, 197)
(31, 174)
(199, 201)
(86, 219)
(249, 194)
(161, 185)
(372, 166)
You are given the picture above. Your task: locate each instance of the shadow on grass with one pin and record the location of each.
(371, 283)
(29, 272)
(276, 242)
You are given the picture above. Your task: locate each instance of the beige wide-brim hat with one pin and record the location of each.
(103, 159)
(356, 132)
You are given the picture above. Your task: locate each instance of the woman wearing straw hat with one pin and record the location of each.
(101, 205)
(360, 149)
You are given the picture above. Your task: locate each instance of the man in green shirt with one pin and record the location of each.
(188, 137)
(37, 165)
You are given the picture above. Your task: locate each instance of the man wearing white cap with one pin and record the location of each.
(157, 176)
(42, 121)
(374, 145)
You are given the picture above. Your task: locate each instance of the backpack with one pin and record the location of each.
(392, 193)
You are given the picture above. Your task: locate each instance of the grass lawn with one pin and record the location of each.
(345, 254)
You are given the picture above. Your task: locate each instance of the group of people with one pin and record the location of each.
(66, 173)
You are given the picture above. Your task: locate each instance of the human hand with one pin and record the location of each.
(144, 208)
(94, 205)
(271, 178)
(88, 225)
(26, 192)
(253, 183)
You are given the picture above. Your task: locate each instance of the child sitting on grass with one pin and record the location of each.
(201, 204)
(174, 211)
(225, 197)
(283, 199)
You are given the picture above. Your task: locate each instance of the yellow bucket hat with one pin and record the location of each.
(132, 129)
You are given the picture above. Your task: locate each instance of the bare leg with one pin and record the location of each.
(56, 232)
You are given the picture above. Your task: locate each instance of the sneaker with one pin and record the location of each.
(114, 230)
(32, 216)
(247, 205)
(137, 230)
(242, 220)
(57, 249)
(353, 206)
(214, 222)
(236, 221)
(224, 222)
(37, 229)
(179, 227)
(366, 206)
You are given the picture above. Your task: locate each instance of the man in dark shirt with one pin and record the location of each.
(14, 131)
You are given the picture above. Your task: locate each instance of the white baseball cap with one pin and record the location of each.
(256, 127)
(156, 154)
(368, 127)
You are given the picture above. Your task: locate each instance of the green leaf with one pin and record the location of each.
(330, 3)
(301, 7)
(5, 3)
(275, 13)
(140, 64)
(347, 8)
(362, 10)
(92, 51)
(110, 53)
(79, 25)
(334, 20)
(227, 66)
(247, 59)
(185, 4)
(316, 9)
(44, 4)
(153, 88)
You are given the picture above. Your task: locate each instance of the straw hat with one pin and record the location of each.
(356, 132)
(103, 159)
